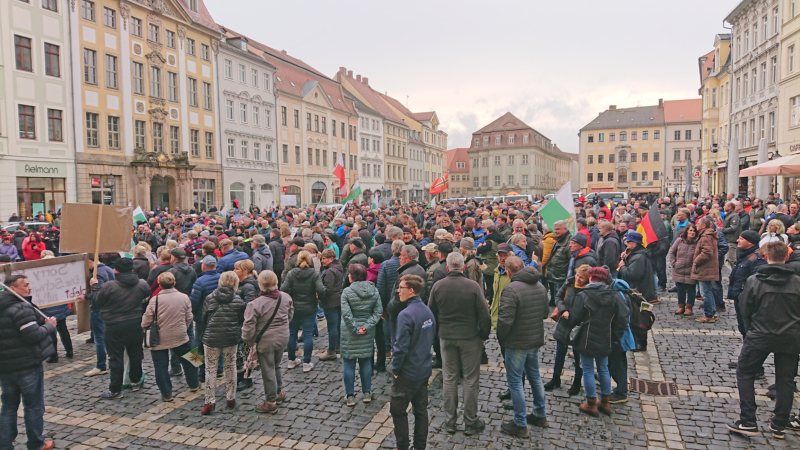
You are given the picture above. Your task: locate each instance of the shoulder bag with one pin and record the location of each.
(152, 333)
(252, 359)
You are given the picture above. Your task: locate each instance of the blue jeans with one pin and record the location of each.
(364, 371)
(161, 366)
(27, 385)
(588, 363)
(333, 316)
(175, 357)
(686, 293)
(306, 321)
(518, 361)
(709, 302)
(99, 332)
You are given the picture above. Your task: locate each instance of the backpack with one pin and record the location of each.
(643, 320)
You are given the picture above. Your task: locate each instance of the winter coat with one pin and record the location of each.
(747, 262)
(10, 250)
(460, 309)
(174, 318)
(258, 312)
(387, 277)
(501, 280)
(411, 268)
(227, 261)
(558, 263)
(278, 251)
(731, 226)
(638, 272)
(358, 257)
(31, 250)
(548, 241)
(609, 249)
(705, 264)
(104, 273)
(332, 279)
(223, 315)
(122, 298)
(366, 237)
(601, 319)
(361, 307)
(681, 256)
(770, 307)
(429, 271)
(304, 285)
(744, 221)
(523, 308)
(290, 264)
(411, 352)
(18, 238)
(152, 278)
(488, 252)
(141, 267)
(185, 277)
(248, 289)
(386, 248)
(262, 259)
(594, 236)
(565, 298)
(755, 218)
(472, 269)
(25, 340)
(372, 273)
(772, 237)
(202, 288)
(585, 256)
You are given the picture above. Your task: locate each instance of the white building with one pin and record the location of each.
(37, 151)
(417, 191)
(247, 125)
(370, 144)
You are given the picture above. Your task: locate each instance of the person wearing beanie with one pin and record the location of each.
(748, 259)
(120, 303)
(581, 253)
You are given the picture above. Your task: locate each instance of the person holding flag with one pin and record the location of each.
(655, 238)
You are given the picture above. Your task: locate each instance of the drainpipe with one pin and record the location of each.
(730, 112)
(74, 123)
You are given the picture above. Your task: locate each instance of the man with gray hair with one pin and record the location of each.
(409, 265)
(463, 320)
(262, 256)
(731, 227)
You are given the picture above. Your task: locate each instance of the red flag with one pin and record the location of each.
(652, 228)
(339, 173)
(438, 186)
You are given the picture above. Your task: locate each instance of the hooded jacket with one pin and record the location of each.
(262, 259)
(24, 337)
(600, 318)
(333, 280)
(304, 285)
(770, 306)
(460, 308)
(361, 307)
(681, 257)
(10, 250)
(278, 251)
(705, 264)
(747, 262)
(122, 298)
(523, 308)
(185, 276)
(223, 315)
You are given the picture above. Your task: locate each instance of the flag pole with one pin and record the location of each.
(19, 297)
(322, 196)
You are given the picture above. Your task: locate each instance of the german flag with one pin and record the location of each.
(652, 228)
(438, 185)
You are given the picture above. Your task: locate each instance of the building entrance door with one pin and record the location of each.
(162, 191)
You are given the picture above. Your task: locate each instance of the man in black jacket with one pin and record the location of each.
(520, 330)
(185, 276)
(748, 259)
(25, 343)
(609, 248)
(120, 302)
(770, 304)
(636, 269)
(278, 250)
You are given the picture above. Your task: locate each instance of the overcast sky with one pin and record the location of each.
(555, 65)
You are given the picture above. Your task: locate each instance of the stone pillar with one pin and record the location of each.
(733, 167)
(762, 183)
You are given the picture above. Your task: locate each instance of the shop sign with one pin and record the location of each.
(292, 180)
(37, 169)
(794, 148)
(95, 181)
(608, 185)
(644, 183)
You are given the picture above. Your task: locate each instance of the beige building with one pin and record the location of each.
(715, 92)
(682, 122)
(459, 172)
(789, 100)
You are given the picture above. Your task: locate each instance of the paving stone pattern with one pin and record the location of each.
(693, 355)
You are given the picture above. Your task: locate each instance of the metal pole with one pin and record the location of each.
(689, 178)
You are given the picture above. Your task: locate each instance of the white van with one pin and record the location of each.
(615, 196)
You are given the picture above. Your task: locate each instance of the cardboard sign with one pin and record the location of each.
(54, 281)
(289, 200)
(79, 228)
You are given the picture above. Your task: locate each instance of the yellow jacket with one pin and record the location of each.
(547, 247)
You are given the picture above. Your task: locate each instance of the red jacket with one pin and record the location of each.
(32, 251)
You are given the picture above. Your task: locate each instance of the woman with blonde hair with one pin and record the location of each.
(223, 315)
(248, 291)
(304, 285)
(714, 214)
(314, 251)
(775, 232)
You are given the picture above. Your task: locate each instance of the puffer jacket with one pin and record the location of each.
(558, 263)
(122, 298)
(548, 241)
(586, 256)
(223, 316)
(387, 277)
(141, 267)
(359, 257)
(258, 312)
(488, 252)
(361, 307)
(304, 285)
(248, 289)
(332, 279)
(731, 226)
(278, 251)
(770, 306)
(705, 263)
(262, 259)
(638, 272)
(565, 298)
(681, 255)
(10, 250)
(24, 337)
(185, 276)
(227, 261)
(523, 308)
(747, 262)
(600, 318)
(202, 288)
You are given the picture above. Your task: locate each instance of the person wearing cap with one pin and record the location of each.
(206, 282)
(472, 265)
(636, 270)
(120, 303)
(581, 254)
(358, 255)
(278, 250)
(431, 253)
(731, 228)
(748, 259)
(331, 239)
(262, 256)
(488, 254)
(184, 274)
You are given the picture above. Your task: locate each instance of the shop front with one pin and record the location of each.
(41, 187)
(291, 185)
(601, 187)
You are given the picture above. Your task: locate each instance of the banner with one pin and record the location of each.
(54, 281)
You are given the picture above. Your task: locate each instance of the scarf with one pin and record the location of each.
(271, 294)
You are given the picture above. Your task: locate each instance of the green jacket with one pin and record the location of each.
(501, 280)
(558, 263)
(361, 307)
(429, 275)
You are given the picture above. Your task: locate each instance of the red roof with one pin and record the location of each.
(392, 101)
(457, 155)
(423, 116)
(202, 16)
(374, 99)
(676, 111)
(708, 64)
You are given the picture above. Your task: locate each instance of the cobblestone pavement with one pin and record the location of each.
(693, 355)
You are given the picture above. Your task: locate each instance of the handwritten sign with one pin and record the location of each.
(54, 281)
(237, 218)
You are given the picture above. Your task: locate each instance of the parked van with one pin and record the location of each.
(615, 196)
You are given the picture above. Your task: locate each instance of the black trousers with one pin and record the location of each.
(380, 343)
(415, 392)
(489, 281)
(63, 332)
(119, 338)
(751, 359)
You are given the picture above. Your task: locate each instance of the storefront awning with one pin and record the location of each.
(785, 165)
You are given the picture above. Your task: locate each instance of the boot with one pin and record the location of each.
(604, 406)
(688, 310)
(575, 389)
(330, 356)
(591, 407)
(552, 384)
(681, 309)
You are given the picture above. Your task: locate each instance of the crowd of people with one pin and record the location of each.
(404, 289)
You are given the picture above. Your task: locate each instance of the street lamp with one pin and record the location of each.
(110, 183)
(772, 156)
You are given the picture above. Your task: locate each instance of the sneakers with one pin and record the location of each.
(704, 319)
(616, 398)
(111, 395)
(292, 364)
(794, 423)
(167, 399)
(307, 367)
(367, 397)
(135, 387)
(478, 428)
(281, 398)
(512, 429)
(739, 428)
(175, 373)
(777, 433)
(266, 407)
(540, 422)
(350, 400)
(329, 356)
(95, 371)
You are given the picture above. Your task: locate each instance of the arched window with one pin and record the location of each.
(317, 189)
(623, 156)
(623, 136)
(622, 176)
(237, 193)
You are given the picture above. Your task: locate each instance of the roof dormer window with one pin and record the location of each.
(192, 5)
(244, 45)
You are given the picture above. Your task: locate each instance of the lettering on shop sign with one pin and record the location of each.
(293, 180)
(40, 169)
(61, 280)
(794, 148)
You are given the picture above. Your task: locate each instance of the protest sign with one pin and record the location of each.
(89, 228)
(288, 200)
(54, 281)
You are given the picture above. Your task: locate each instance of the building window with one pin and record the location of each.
(268, 118)
(325, 130)
(136, 27)
(245, 150)
(192, 5)
(266, 82)
(656, 156)
(192, 88)
(138, 78)
(37, 195)
(774, 70)
(190, 48)
(153, 33)
(206, 95)
(209, 145)
(172, 86)
(109, 17)
(203, 193)
(589, 159)
(677, 155)
(228, 71)
(599, 176)
(51, 5)
(623, 156)
(656, 134)
(169, 38)
(510, 160)
(27, 122)
(204, 52)
(611, 158)
(496, 160)
(622, 176)
(174, 140)
(242, 73)
(511, 139)
(285, 154)
(645, 157)
(623, 136)
(257, 151)
(634, 157)
(524, 159)
(497, 180)
(677, 135)
(229, 109)
(497, 139)
(772, 127)
(113, 132)
(601, 137)
(590, 138)
(92, 130)
(231, 148)
(254, 77)
(511, 179)
(111, 71)
(52, 60)
(791, 58)
(22, 52)
(256, 116)
(194, 141)
(644, 175)
(634, 176)
(297, 121)
(54, 125)
(87, 10)
(612, 137)
(297, 155)
(316, 127)
(610, 176)
(590, 177)
(268, 153)
(687, 135)
(139, 133)
(102, 190)
(308, 121)
(243, 112)
(158, 137)
(600, 159)
(155, 82)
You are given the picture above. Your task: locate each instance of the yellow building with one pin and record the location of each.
(145, 110)
(621, 150)
(715, 88)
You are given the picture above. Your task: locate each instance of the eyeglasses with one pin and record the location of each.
(403, 287)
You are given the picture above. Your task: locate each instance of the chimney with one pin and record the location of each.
(661, 103)
(283, 51)
(358, 77)
(350, 73)
(342, 70)
(612, 107)
(365, 80)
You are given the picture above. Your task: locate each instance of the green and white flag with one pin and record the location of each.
(376, 198)
(354, 193)
(138, 215)
(560, 207)
(432, 204)
(224, 211)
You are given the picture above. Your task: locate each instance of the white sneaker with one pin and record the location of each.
(307, 366)
(293, 364)
(95, 371)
